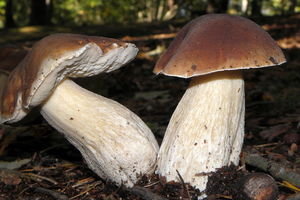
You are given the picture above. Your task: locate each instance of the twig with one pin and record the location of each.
(35, 176)
(144, 193)
(149, 37)
(217, 196)
(290, 186)
(277, 170)
(83, 182)
(266, 145)
(184, 185)
(92, 186)
(24, 190)
(151, 184)
(54, 194)
(40, 168)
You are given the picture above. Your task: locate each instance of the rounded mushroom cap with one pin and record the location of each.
(53, 59)
(218, 42)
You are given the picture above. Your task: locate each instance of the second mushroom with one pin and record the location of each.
(115, 143)
(206, 130)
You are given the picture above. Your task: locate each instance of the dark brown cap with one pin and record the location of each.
(53, 59)
(218, 42)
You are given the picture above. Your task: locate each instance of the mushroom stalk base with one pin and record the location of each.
(115, 143)
(206, 130)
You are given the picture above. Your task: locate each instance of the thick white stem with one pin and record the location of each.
(116, 143)
(206, 130)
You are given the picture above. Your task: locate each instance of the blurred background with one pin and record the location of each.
(18, 13)
(33, 19)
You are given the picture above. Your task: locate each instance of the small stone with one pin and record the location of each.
(259, 186)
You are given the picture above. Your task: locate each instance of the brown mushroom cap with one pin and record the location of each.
(218, 42)
(53, 59)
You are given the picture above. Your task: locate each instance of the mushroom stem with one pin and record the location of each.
(206, 130)
(116, 144)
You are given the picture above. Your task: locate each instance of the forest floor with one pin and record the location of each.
(37, 168)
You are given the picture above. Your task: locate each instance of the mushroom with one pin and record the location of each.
(206, 130)
(115, 143)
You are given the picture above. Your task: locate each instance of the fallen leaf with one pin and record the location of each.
(9, 177)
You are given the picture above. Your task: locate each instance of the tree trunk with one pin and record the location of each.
(160, 10)
(9, 20)
(292, 7)
(256, 6)
(170, 11)
(40, 12)
(217, 6)
(244, 7)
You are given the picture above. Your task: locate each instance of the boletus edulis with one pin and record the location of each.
(115, 143)
(206, 130)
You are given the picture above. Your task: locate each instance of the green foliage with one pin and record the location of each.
(21, 10)
(87, 12)
(120, 11)
(276, 7)
(2, 12)
(90, 12)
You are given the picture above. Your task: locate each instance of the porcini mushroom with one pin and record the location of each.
(115, 143)
(206, 130)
